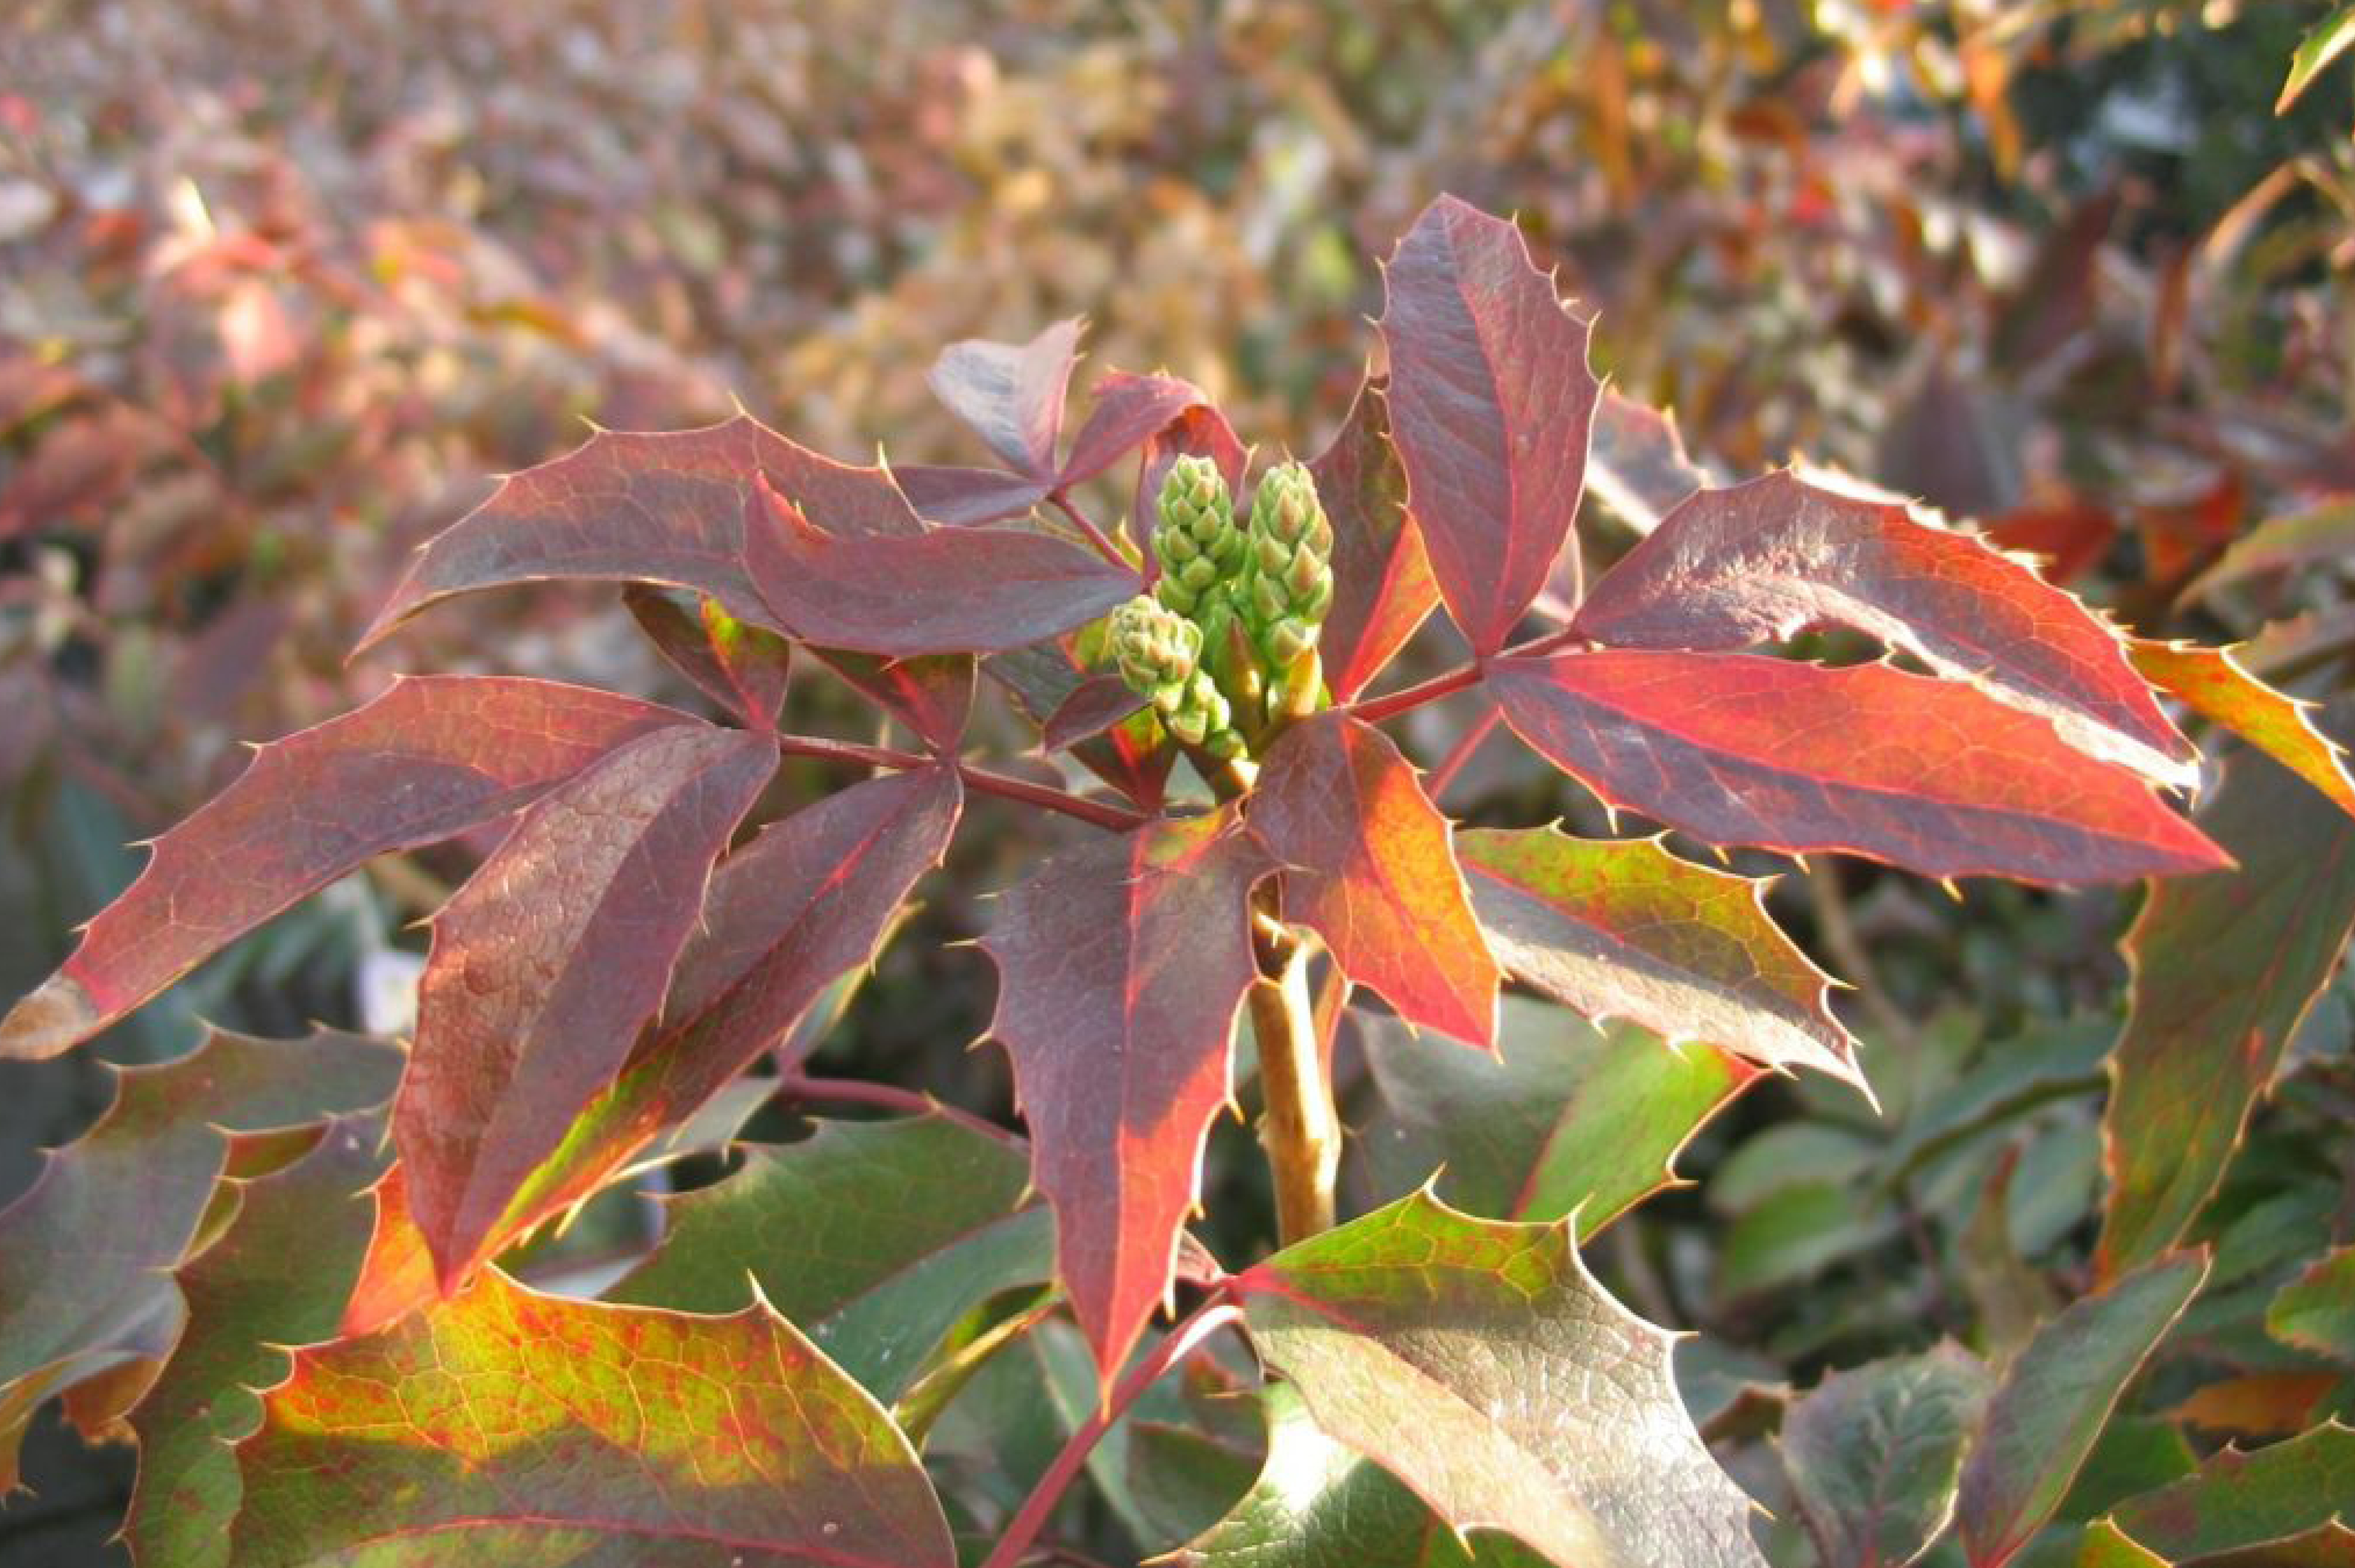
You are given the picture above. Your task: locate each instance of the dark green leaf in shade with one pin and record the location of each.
(1875, 1453)
(2317, 1310)
(2240, 1500)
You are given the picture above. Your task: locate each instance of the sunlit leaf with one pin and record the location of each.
(742, 667)
(1011, 394)
(2326, 42)
(1382, 587)
(2315, 1311)
(2239, 1500)
(2211, 683)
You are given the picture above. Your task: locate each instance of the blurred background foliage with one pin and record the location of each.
(283, 285)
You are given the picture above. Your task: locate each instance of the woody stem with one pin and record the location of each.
(1298, 1126)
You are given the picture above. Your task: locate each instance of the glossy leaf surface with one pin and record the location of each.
(1867, 760)
(2239, 1500)
(1874, 1455)
(932, 695)
(963, 497)
(1478, 1362)
(1382, 586)
(2211, 683)
(1128, 411)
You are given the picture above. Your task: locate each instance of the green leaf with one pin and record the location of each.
(2053, 1401)
(1565, 1117)
(1478, 1362)
(2316, 1312)
(873, 1237)
(2212, 683)
(2238, 1500)
(503, 1426)
(1875, 1454)
(2326, 42)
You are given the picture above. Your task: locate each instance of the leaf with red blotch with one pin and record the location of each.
(658, 508)
(547, 963)
(430, 759)
(1622, 929)
(2211, 683)
(1011, 394)
(1367, 867)
(1382, 587)
(1129, 412)
(1760, 561)
(1491, 403)
(962, 497)
(808, 901)
(1120, 966)
(2225, 967)
(508, 1427)
(1093, 706)
(932, 695)
(947, 590)
(1135, 755)
(742, 667)
(1869, 760)
(1199, 431)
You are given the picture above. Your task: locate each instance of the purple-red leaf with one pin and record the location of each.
(932, 695)
(1134, 757)
(1367, 865)
(1491, 402)
(1011, 394)
(1927, 774)
(1120, 968)
(545, 964)
(1094, 706)
(947, 590)
(660, 508)
(961, 497)
(1762, 561)
(427, 761)
(1382, 587)
(1637, 467)
(742, 667)
(1129, 412)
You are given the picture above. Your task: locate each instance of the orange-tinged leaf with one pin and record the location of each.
(503, 1426)
(1382, 587)
(2211, 683)
(1121, 965)
(1367, 866)
(1867, 760)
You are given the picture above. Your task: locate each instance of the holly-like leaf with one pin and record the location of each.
(1478, 1362)
(1762, 561)
(1134, 755)
(1875, 1454)
(1382, 586)
(806, 902)
(1637, 465)
(86, 1254)
(1011, 394)
(665, 508)
(1490, 405)
(1564, 1117)
(2211, 683)
(872, 1237)
(2315, 1311)
(427, 761)
(1120, 968)
(547, 963)
(2224, 967)
(1622, 929)
(740, 666)
(510, 1427)
(276, 1277)
(1367, 866)
(2238, 1501)
(963, 497)
(947, 590)
(1738, 749)
(1129, 412)
(932, 695)
(2053, 1399)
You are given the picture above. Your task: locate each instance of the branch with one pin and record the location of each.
(1298, 1125)
(885, 1096)
(1114, 818)
(1096, 536)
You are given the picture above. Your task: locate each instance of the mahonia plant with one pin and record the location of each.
(601, 992)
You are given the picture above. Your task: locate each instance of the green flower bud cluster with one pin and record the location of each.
(1200, 549)
(1158, 653)
(1289, 588)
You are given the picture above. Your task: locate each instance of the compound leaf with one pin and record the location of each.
(1129, 410)
(1382, 586)
(1874, 1453)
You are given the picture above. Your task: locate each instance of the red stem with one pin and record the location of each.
(1096, 536)
(1373, 710)
(886, 1097)
(1206, 1320)
(1116, 819)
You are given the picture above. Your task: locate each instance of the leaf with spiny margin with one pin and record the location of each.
(277, 1277)
(1134, 755)
(946, 591)
(1129, 410)
(505, 1427)
(2211, 683)
(1382, 586)
(1367, 866)
(1931, 775)
(1478, 1362)
(1012, 393)
(1762, 561)
(2315, 1311)
(2237, 1501)
(1120, 966)
(958, 497)
(86, 1254)
(666, 508)
(931, 694)
(1874, 1453)
(1565, 1117)
(1622, 929)
(740, 666)
(548, 961)
(808, 901)
(1490, 402)
(2053, 1399)
(1317, 1505)
(433, 757)
(2224, 966)
(872, 1237)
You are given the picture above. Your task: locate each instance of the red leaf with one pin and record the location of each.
(932, 695)
(1045, 676)
(1094, 706)
(962, 497)
(1129, 410)
(545, 964)
(1737, 750)
(1011, 394)
(1763, 560)
(660, 508)
(1637, 466)
(743, 668)
(1367, 866)
(1120, 968)
(949, 590)
(1382, 587)
(1199, 431)
(2070, 537)
(1491, 403)
(427, 761)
